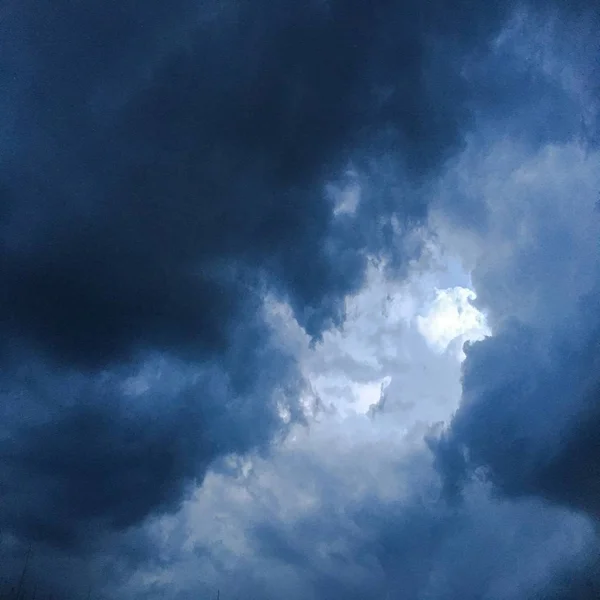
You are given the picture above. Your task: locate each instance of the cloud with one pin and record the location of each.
(362, 517)
(166, 163)
(162, 170)
(352, 505)
(529, 409)
(168, 174)
(83, 456)
(452, 316)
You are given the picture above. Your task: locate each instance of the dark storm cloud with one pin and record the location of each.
(161, 167)
(147, 150)
(530, 417)
(82, 456)
(530, 412)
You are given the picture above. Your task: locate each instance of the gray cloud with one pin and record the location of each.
(528, 391)
(152, 174)
(529, 412)
(162, 169)
(334, 530)
(85, 455)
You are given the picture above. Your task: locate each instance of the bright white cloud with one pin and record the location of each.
(450, 317)
(379, 355)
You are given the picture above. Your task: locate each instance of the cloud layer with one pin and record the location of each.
(221, 223)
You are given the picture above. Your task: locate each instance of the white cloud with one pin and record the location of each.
(379, 353)
(450, 317)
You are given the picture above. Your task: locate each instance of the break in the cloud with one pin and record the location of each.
(453, 316)
(163, 167)
(173, 175)
(351, 507)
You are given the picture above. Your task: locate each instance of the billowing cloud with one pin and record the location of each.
(159, 165)
(529, 409)
(199, 200)
(161, 169)
(530, 388)
(85, 455)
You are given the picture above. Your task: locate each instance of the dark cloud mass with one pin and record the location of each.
(529, 411)
(529, 417)
(147, 150)
(87, 454)
(163, 168)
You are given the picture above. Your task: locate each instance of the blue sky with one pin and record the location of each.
(299, 299)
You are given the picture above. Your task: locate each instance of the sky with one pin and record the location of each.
(299, 299)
